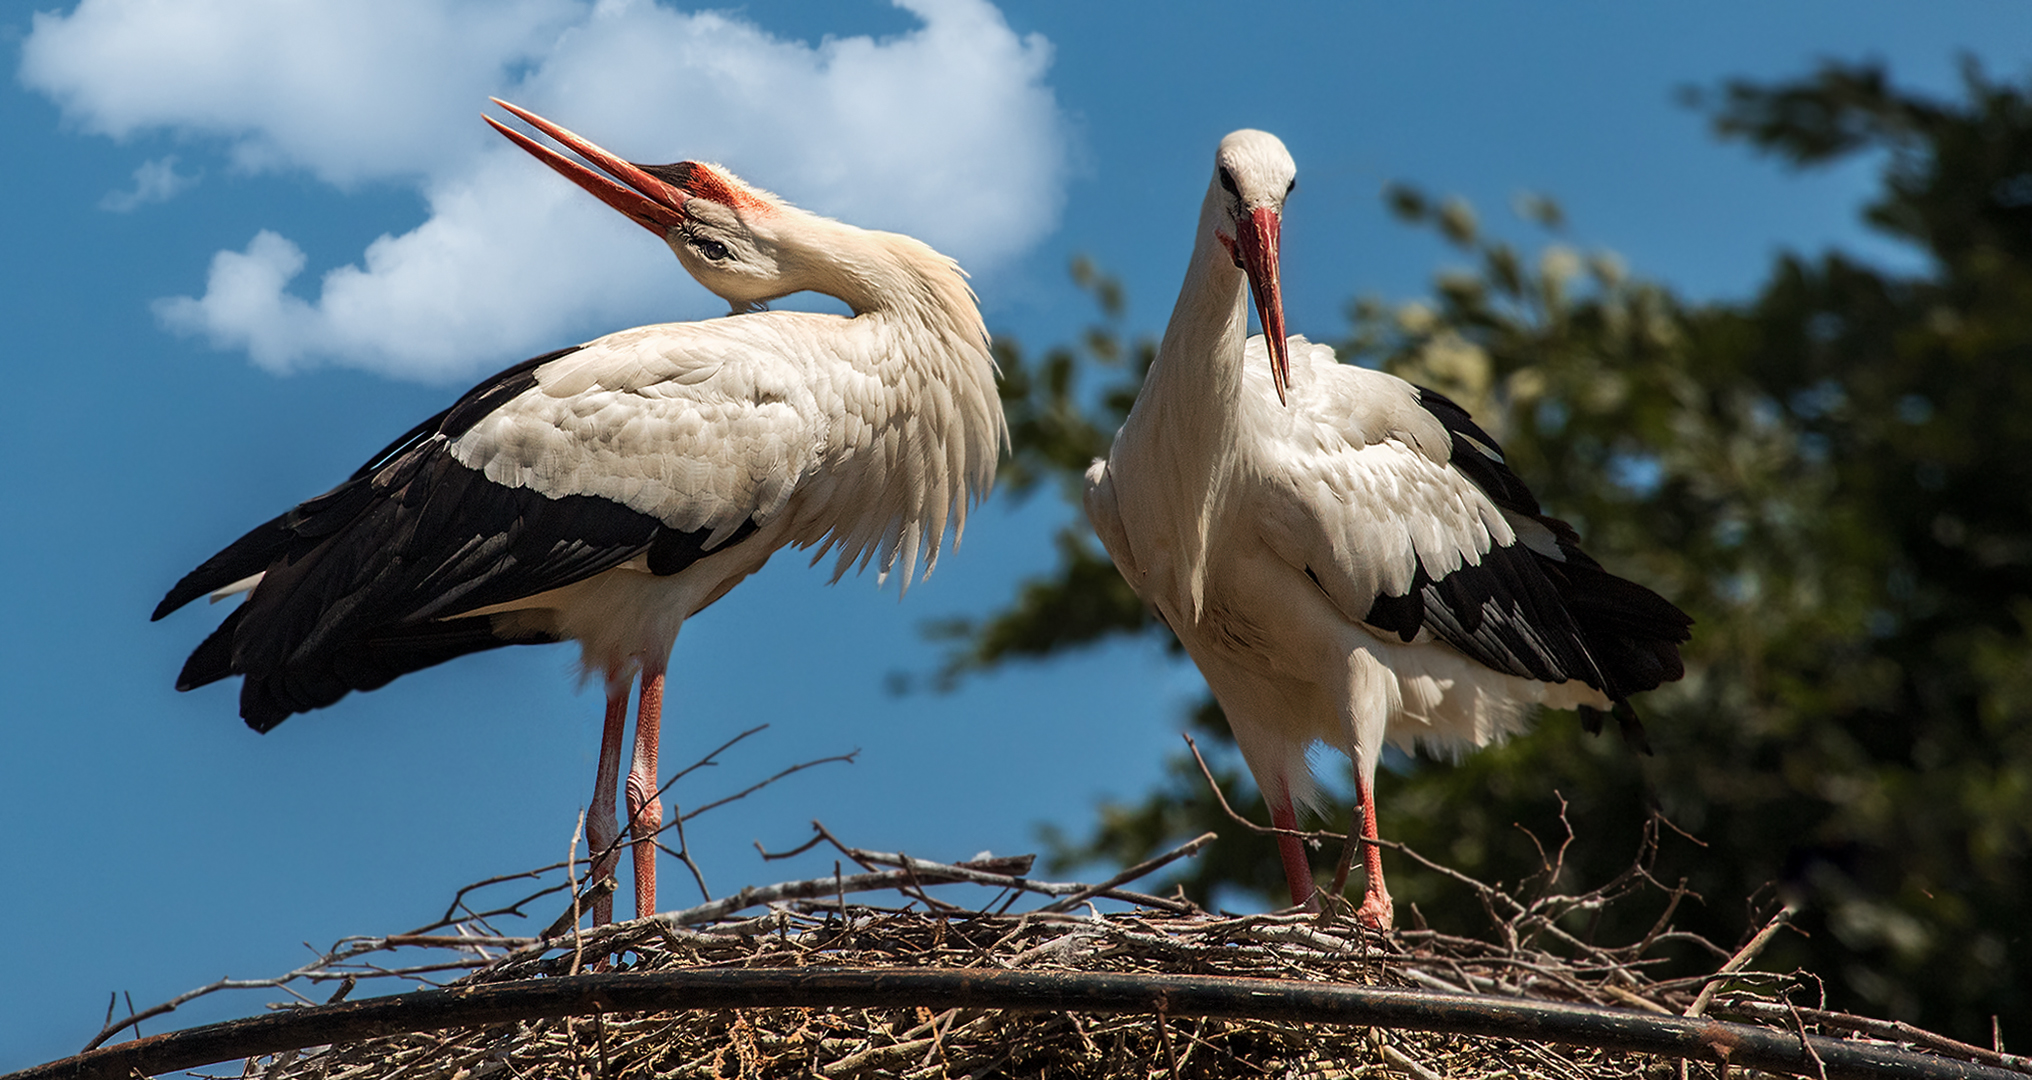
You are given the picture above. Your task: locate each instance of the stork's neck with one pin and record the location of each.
(913, 456)
(1180, 444)
(902, 283)
(875, 272)
(1191, 397)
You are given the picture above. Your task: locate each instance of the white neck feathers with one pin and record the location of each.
(1191, 398)
(938, 433)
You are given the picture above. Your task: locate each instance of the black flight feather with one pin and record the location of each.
(368, 582)
(1524, 612)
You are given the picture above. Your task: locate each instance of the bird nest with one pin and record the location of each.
(911, 968)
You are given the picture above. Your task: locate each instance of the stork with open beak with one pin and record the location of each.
(605, 492)
(1346, 556)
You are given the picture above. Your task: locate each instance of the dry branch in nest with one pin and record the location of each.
(974, 970)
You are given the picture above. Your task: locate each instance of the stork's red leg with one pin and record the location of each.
(1376, 910)
(1297, 867)
(601, 827)
(645, 809)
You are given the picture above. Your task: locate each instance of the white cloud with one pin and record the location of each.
(365, 89)
(948, 132)
(155, 181)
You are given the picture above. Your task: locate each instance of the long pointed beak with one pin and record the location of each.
(1256, 250)
(648, 201)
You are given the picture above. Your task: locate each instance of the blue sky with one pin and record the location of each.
(172, 381)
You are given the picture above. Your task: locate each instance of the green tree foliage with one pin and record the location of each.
(1833, 476)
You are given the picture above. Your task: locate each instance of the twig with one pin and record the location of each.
(846, 758)
(711, 758)
(452, 941)
(1012, 865)
(571, 862)
(1147, 866)
(1888, 1030)
(598, 890)
(1164, 1037)
(684, 854)
(1407, 1063)
(1742, 959)
(1219, 795)
(840, 888)
(771, 856)
(868, 860)
(1799, 1025)
(1334, 902)
(459, 899)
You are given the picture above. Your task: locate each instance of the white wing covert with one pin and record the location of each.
(702, 431)
(1363, 497)
(1382, 497)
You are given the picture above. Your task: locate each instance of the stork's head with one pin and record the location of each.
(727, 234)
(1253, 174)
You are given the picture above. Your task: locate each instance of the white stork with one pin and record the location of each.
(606, 492)
(1345, 555)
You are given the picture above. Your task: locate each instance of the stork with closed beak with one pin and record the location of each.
(606, 492)
(1345, 555)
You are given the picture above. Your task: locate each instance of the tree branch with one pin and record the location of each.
(1107, 993)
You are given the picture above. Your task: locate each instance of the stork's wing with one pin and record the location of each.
(666, 443)
(1401, 508)
(375, 485)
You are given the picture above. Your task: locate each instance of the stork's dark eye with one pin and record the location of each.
(710, 248)
(1291, 187)
(1228, 181)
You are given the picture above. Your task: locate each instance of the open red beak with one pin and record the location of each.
(1256, 249)
(648, 201)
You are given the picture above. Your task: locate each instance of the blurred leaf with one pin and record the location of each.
(1407, 203)
(1541, 210)
(1457, 222)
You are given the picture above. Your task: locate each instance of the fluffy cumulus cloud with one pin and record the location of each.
(947, 131)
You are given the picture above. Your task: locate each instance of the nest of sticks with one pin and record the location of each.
(903, 967)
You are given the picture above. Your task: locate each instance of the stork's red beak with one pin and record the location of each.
(1256, 250)
(648, 201)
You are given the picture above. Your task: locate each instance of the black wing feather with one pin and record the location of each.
(471, 407)
(1526, 613)
(368, 581)
(1475, 453)
(262, 545)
